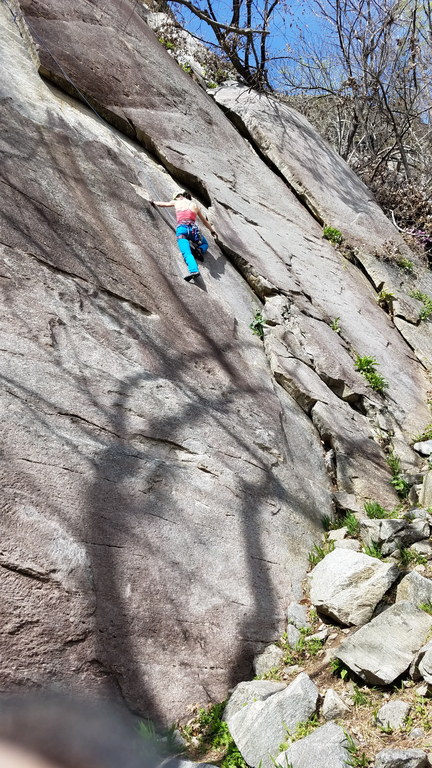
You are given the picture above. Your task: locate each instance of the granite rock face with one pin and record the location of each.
(149, 502)
(163, 472)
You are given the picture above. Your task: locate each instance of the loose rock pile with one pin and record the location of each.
(377, 627)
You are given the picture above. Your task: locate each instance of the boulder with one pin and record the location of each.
(333, 706)
(391, 534)
(393, 714)
(424, 447)
(339, 534)
(347, 585)
(293, 635)
(248, 692)
(383, 649)
(328, 744)
(415, 588)
(425, 666)
(401, 758)
(297, 614)
(259, 728)
(270, 658)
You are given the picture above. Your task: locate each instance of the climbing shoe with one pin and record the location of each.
(192, 275)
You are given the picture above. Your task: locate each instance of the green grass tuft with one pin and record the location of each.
(366, 365)
(257, 325)
(401, 486)
(333, 235)
(319, 552)
(375, 511)
(373, 550)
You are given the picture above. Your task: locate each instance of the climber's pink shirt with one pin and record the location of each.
(183, 216)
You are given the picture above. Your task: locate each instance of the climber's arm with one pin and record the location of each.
(161, 204)
(205, 221)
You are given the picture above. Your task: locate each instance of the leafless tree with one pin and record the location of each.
(241, 29)
(371, 67)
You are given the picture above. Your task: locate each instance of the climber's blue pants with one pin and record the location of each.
(185, 249)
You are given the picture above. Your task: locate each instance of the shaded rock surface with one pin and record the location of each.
(259, 728)
(347, 585)
(383, 649)
(163, 474)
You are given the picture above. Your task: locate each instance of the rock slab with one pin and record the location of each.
(328, 744)
(383, 649)
(248, 692)
(268, 659)
(259, 728)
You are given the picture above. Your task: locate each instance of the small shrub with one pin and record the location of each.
(375, 510)
(425, 435)
(319, 552)
(366, 365)
(411, 557)
(272, 674)
(167, 44)
(328, 523)
(208, 732)
(426, 607)
(385, 300)
(333, 235)
(335, 325)
(405, 264)
(186, 67)
(401, 486)
(304, 729)
(257, 325)
(162, 742)
(426, 300)
(359, 697)
(309, 646)
(339, 669)
(374, 550)
(352, 524)
(357, 759)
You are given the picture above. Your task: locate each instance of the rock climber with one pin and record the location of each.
(187, 231)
